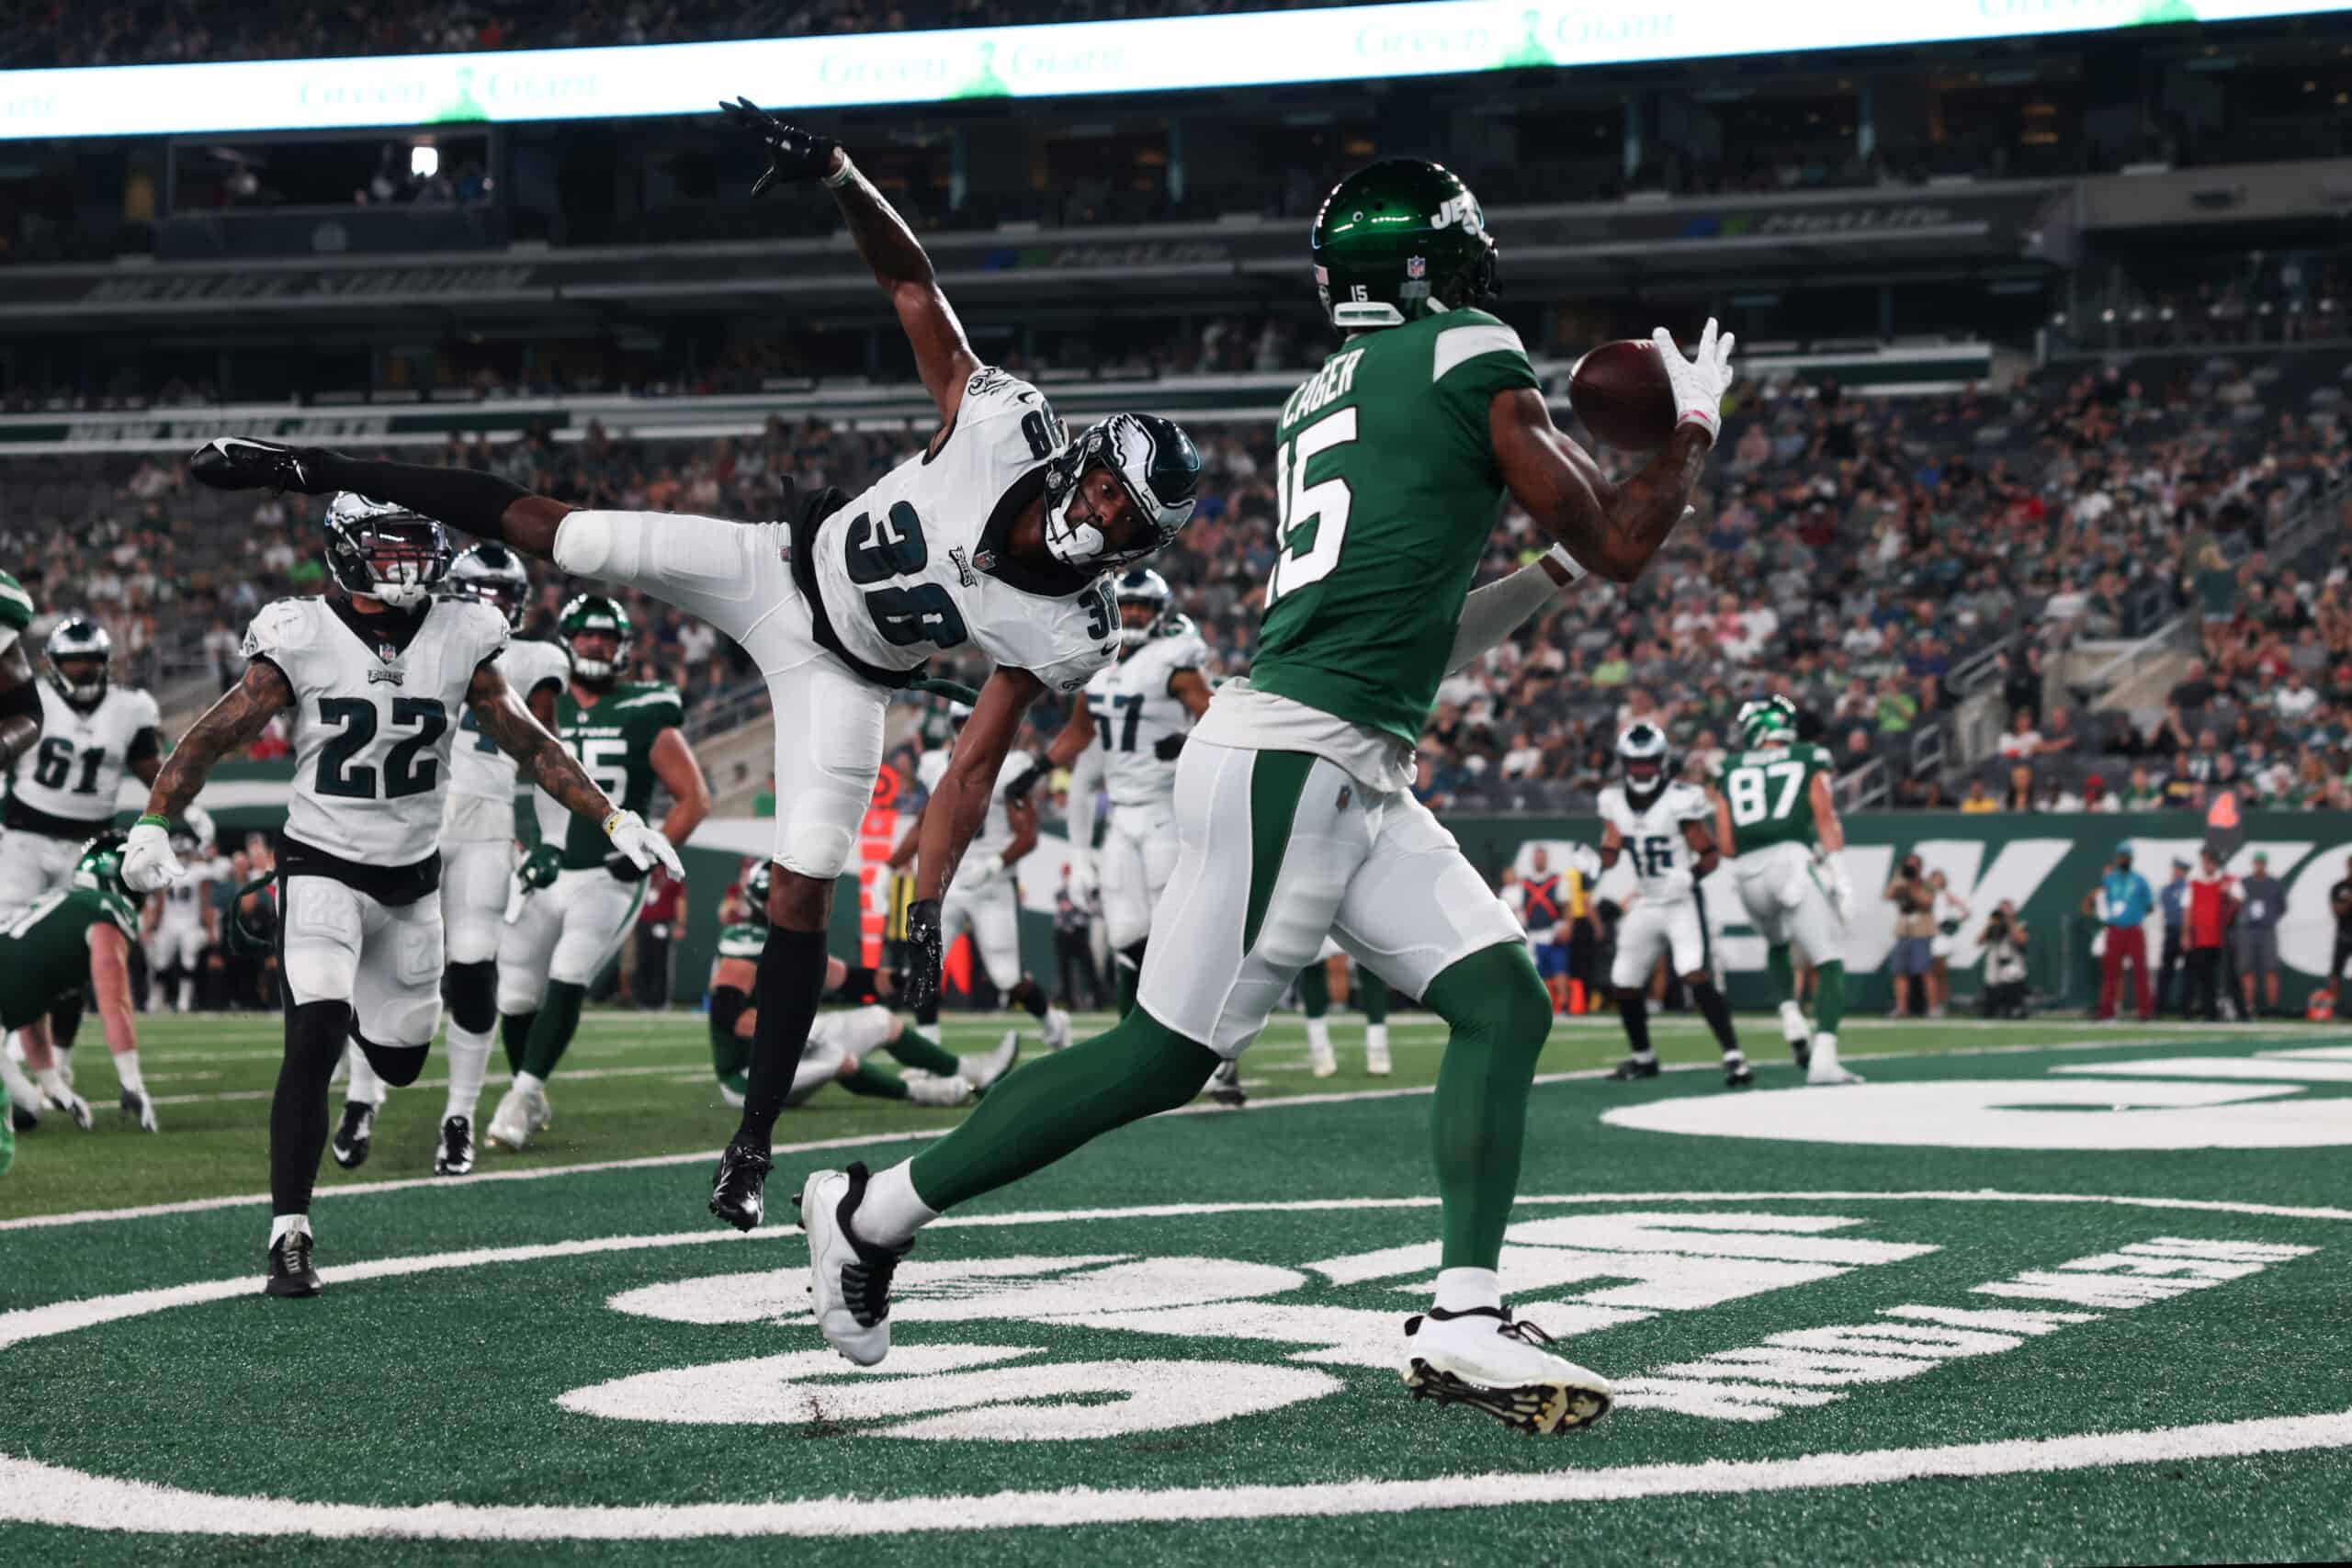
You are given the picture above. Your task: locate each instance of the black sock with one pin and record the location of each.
(1030, 995)
(514, 1034)
(472, 990)
(315, 1033)
(1718, 1014)
(1634, 1008)
(65, 1019)
(791, 978)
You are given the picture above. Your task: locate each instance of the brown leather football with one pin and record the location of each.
(1622, 393)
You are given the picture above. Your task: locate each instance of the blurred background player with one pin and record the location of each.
(61, 791)
(1660, 825)
(1370, 995)
(1777, 813)
(578, 897)
(840, 1041)
(477, 843)
(73, 939)
(984, 899)
(1140, 708)
(181, 926)
(1541, 904)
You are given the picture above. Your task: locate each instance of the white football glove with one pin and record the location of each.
(1699, 381)
(975, 874)
(148, 862)
(200, 822)
(641, 844)
(1841, 888)
(59, 1096)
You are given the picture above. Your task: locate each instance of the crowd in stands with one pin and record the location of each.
(1862, 555)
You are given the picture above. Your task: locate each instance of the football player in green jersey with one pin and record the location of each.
(75, 937)
(1294, 818)
(20, 710)
(1774, 807)
(841, 1043)
(577, 901)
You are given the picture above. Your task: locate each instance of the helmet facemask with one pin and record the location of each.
(1642, 750)
(593, 614)
(1144, 600)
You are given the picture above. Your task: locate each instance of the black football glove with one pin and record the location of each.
(237, 462)
(1020, 788)
(1169, 745)
(924, 952)
(793, 154)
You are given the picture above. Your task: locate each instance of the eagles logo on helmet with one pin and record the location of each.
(1154, 461)
(755, 893)
(383, 551)
(77, 658)
(1642, 751)
(492, 573)
(1146, 590)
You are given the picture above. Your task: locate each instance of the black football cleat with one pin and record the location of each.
(1738, 1074)
(1225, 1087)
(456, 1155)
(239, 462)
(1634, 1068)
(290, 1273)
(354, 1136)
(739, 1186)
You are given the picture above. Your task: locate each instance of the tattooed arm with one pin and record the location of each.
(541, 756)
(1612, 530)
(227, 727)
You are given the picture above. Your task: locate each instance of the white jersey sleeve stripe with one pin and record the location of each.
(1458, 346)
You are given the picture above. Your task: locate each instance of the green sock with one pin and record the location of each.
(515, 1034)
(1372, 996)
(1830, 997)
(1314, 990)
(737, 1083)
(1783, 973)
(552, 1028)
(1058, 1104)
(917, 1050)
(731, 1054)
(875, 1082)
(1501, 1015)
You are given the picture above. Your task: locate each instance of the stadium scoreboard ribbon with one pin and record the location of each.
(812, 74)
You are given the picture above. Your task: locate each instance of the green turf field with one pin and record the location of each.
(2048, 1293)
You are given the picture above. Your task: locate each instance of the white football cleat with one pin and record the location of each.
(1376, 1062)
(1822, 1066)
(1321, 1060)
(522, 1112)
(140, 1108)
(60, 1097)
(849, 1278)
(944, 1093)
(982, 1071)
(1056, 1027)
(1484, 1359)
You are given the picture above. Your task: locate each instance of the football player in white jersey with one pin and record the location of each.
(477, 843)
(1661, 825)
(61, 792)
(375, 674)
(181, 926)
(1140, 708)
(984, 899)
(994, 539)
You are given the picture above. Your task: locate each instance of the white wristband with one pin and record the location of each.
(847, 172)
(1708, 417)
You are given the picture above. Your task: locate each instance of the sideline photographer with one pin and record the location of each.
(2005, 938)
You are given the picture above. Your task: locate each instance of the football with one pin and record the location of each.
(1621, 393)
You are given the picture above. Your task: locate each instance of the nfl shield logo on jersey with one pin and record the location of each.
(1417, 266)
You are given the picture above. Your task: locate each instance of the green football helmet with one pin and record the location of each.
(756, 884)
(1766, 721)
(1397, 240)
(594, 612)
(99, 867)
